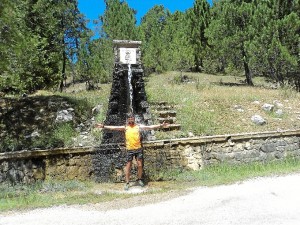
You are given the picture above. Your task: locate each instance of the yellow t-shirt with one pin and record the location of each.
(132, 137)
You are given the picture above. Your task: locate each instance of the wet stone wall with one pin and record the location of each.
(127, 96)
(22, 171)
(110, 155)
(69, 167)
(61, 164)
(118, 106)
(160, 156)
(109, 162)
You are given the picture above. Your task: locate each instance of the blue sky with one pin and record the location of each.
(93, 8)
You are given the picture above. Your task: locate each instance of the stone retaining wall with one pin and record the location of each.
(160, 156)
(30, 166)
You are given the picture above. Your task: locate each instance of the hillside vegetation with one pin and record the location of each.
(212, 105)
(205, 105)
(32, 122)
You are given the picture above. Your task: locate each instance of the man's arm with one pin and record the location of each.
(109, 127)
(152, 127)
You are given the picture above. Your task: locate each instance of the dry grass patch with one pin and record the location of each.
(209, 105)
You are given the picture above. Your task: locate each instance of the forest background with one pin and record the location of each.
(43, 43)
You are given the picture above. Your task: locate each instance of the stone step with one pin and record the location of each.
(171, 127)
(166, 114)
(161, 103)
(170, 120)
(164, 107)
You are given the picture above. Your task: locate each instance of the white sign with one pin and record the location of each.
(128, 55)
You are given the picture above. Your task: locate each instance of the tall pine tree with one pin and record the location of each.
(229, 34)
(275, 48)
(151, 29)
(177, 51)
(199, 17)
(118, 21)
(41, 42)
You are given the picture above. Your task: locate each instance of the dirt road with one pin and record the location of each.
(261, 201)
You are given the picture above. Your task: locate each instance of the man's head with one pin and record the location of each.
(130, 119)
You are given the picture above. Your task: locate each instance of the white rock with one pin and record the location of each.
(268, 107)
(279, 112)
(259, 120)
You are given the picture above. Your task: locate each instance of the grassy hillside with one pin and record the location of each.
(205, 105)
(210, 105)
(31, 122)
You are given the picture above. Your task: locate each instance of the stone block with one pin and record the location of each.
(239, 156)
(72, 161)
(252, 154)
(239, 146)
(247, 145)
(279, 155)
(268, 147)
(72, 172)
(281, 143)
(193, 166)
(4, 166)
(38, 174)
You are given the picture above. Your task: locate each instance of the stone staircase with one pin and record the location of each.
(164, 112)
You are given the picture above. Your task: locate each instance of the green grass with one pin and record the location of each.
(226, 174)
(205, 104)
(51, 193)
(223, 174)
(90, 99)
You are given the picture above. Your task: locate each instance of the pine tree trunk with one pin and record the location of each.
(63, 72)
(247, 69)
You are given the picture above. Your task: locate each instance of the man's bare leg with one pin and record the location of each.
(140, 172)
(127, 175)
(140, 168)
(127, 171)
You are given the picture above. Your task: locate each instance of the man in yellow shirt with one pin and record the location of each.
(133, 145)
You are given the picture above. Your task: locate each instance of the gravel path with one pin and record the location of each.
(261, 201)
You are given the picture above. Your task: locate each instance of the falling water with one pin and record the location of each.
(130, 88)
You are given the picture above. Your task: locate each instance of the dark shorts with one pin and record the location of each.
(138, 154)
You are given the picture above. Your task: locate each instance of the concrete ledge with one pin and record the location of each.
(106, 162)
(226, 137)
(151, 144)
(38, 153)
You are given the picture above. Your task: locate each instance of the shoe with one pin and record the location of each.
(126, 187)
(141, 183)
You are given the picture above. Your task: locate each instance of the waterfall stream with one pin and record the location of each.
(130, 88)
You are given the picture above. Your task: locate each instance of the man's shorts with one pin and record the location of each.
(138, 154)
